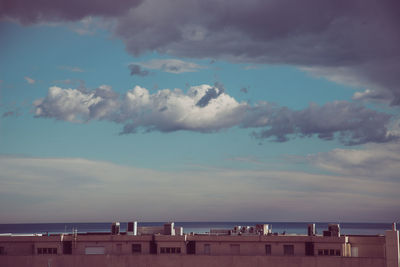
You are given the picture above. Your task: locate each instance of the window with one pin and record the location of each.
(267, 249)
(170, 250)
(354, 251)
(67, 247)
(95, 250)
(47, 251)
(191, 247)
(207, 249)
(153, 247)
(235, 249)
(309, 248)
(288, 250)
(136, 248)
(2, 251)
(330, 252)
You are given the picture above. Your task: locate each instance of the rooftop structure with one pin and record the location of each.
(166, 245)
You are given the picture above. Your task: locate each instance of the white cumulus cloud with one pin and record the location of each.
(171, 110)
(206, 108)
(74, 105)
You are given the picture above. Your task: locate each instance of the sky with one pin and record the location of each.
(199, 110)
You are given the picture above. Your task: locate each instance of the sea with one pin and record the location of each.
(346, 228)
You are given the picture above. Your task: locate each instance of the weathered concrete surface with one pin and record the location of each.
(185, 261)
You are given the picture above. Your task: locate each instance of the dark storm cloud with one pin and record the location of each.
(352, 124)
(340, 40)
(353, 42)
(137, 70)
(27, 11)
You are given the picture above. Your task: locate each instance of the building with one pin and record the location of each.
(167, 246)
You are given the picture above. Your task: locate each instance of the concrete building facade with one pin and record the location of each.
(168, 246)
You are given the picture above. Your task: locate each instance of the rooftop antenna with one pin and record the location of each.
(75, 234)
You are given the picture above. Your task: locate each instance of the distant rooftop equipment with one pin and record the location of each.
(259, 229)
(179, 230)
(132, 228)
(220, 231)
(262, 229)
(115, 228)
(169, 228)
(327, 233)
(334, 229)
(311, 229)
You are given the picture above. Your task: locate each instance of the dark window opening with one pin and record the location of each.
(47, 251)
(309, 249)
(2, 251)
(288, 250)
(338, 252)
(153, 247)
(136, 248)
(267, 249)
(207, 249)
(191, 247)
(67, 247)
(326, 252)
(170, 250)
(320, 252)
(332, 252)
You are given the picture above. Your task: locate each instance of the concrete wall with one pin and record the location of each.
(118, 251)
(368, 246)
(185, 261)
(255, 245)
(392, 248)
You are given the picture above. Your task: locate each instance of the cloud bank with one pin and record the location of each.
(376, 162)
(207, 108)
(35, 189)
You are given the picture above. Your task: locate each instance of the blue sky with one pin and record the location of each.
(209, 124)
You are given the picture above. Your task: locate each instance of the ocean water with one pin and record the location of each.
(195, 227)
